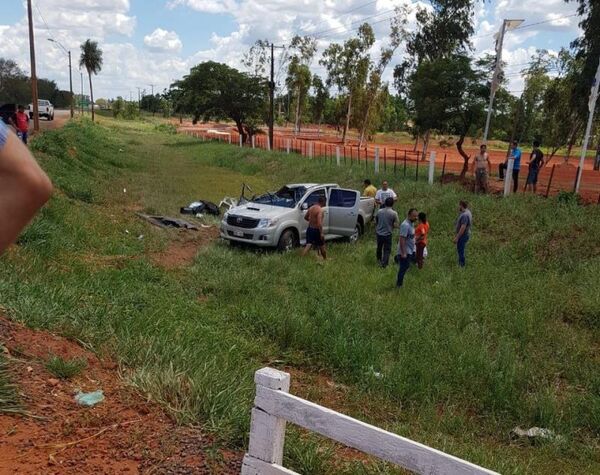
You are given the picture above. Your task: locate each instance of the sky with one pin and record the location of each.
(147, 44)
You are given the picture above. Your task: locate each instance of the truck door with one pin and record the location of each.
(343, 211)
(309, 200)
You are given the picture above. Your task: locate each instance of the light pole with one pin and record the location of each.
(81, 96)
(507, 25)
(34, 88)
(70, 72)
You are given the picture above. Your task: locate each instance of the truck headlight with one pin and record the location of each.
(226, 215)
(266, 223)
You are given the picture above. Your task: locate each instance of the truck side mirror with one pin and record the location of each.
(304, 206)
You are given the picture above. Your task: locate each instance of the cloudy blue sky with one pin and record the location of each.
(156, 41)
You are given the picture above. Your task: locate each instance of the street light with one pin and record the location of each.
(507, 25)
(70, 71)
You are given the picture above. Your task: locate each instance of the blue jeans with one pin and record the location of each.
(404, 266)
(461, 248)
(23, 136)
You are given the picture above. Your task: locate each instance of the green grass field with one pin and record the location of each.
(465, 354)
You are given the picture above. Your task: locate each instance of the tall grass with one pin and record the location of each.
(465, 354)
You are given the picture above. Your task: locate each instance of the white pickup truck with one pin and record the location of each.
(45, 109)
(277, 219)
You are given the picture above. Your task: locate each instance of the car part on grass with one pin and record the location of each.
(168, 222)
(534, 434)
(201, 207)
(227, 202)
(89, 399)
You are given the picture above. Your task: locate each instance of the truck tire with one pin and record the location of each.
(355, 236)
(287, 241)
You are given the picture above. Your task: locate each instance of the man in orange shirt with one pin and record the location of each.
(22, 124)
(421, 238)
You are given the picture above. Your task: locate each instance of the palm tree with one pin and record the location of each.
(91, 59)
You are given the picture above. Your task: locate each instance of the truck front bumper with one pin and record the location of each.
(263, 237)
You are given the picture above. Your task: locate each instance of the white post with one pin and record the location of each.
(229, 139)
(586, 139)
(241, 140)
(337, 156)
(508, 176)
(288, 145)
(497, 71)
(268, 143)
(310, 149)
(431, 166)
(376, 159)
(267, 432)
(253, 143)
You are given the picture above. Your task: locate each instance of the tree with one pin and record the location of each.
(347, 66)
(151, 103)
(216, 91)
(91, 60)
(319, 100)
(257, 58)
(299, 76)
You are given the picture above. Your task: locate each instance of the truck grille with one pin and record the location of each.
(241, 222)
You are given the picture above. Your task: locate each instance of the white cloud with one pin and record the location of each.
(206, 6)
(163, 41)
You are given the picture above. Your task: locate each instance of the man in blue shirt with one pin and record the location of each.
(515, 154)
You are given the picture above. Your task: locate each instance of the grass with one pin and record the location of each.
(64, 368)
(466, 354)
(9, 402)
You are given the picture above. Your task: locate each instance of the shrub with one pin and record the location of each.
(63, 368)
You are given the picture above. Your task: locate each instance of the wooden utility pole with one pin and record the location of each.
(34, 89)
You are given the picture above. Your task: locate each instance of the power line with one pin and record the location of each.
(529, 25)
(319, 35)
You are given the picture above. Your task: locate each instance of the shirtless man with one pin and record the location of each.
(314, 233)
(24, 187)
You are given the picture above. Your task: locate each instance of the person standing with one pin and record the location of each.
(24, 187)
(369, 190)
(314, 233)
(536, 162)
(482, 168)
(384, 193)
(515, 154)
(421, 238)
(22, 124)
(406, 245)
(387, 220)
(463, 231)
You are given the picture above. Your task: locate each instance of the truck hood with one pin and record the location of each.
(258, 211)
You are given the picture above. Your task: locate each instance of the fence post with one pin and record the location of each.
(405, 163)
(508, 176)
(287, 146)
(385, 159)
(431, 166)
(229, 139)
(443, 170)
(240, 137)
(576, 177)
(268, 143)
(395, 160)
(550, 181)
(337, 155)
(267, 432)
(253, 142)
(311, 148)
(376, 159)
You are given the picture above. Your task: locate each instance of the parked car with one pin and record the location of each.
(277, 219)
(7, 112)
(45, 109)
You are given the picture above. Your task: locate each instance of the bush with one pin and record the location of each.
(569, 198)
(65, 369)
(166, 129)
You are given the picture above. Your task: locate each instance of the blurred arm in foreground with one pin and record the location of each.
(24, 187)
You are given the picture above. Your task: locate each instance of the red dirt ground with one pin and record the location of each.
(123, 434)
(392, 155)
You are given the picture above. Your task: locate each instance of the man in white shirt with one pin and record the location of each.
(384, 193)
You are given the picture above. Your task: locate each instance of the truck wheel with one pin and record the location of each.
(355, 236)
(287, 241)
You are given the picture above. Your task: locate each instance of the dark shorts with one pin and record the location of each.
(313, 236)
(532, 177)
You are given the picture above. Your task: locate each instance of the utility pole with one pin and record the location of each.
(152, 86)
(81, 96)
(34, 89)
(139, 97)
(272, 95)
(70, 72)
(588, 129)
(506, 25)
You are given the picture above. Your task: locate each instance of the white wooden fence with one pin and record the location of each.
(273, 406)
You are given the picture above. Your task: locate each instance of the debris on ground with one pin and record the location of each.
(534, 434)
(89, 399)
(375, 374)
(228, 203)
(168, 222)
(200, 207)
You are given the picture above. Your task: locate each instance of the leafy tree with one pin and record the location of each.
(319, 100)
(151, 103)
(347, 66)
(216, 91)
(299, 76)
(91, 60)
(257, 58)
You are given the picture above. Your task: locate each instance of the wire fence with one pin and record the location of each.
(553, 178)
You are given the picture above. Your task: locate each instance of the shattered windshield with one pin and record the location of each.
(286, 197)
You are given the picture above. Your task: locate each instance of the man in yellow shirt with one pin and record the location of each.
(369, 190)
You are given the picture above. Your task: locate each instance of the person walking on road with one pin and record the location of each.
(515, 154)
(421, 238)
(384, 193)
(387, 220)
(369, 190)
(463, 231)
(24, 187)
(536, 162)
(482, 168)
(22, 124)
(314, 233)
(406, 245)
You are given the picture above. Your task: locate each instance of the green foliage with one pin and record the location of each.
(122, 109)
(569, 198)
(64, 368)
(9, 402)
(167, 128)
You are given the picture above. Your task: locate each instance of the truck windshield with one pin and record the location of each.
(285, 197)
